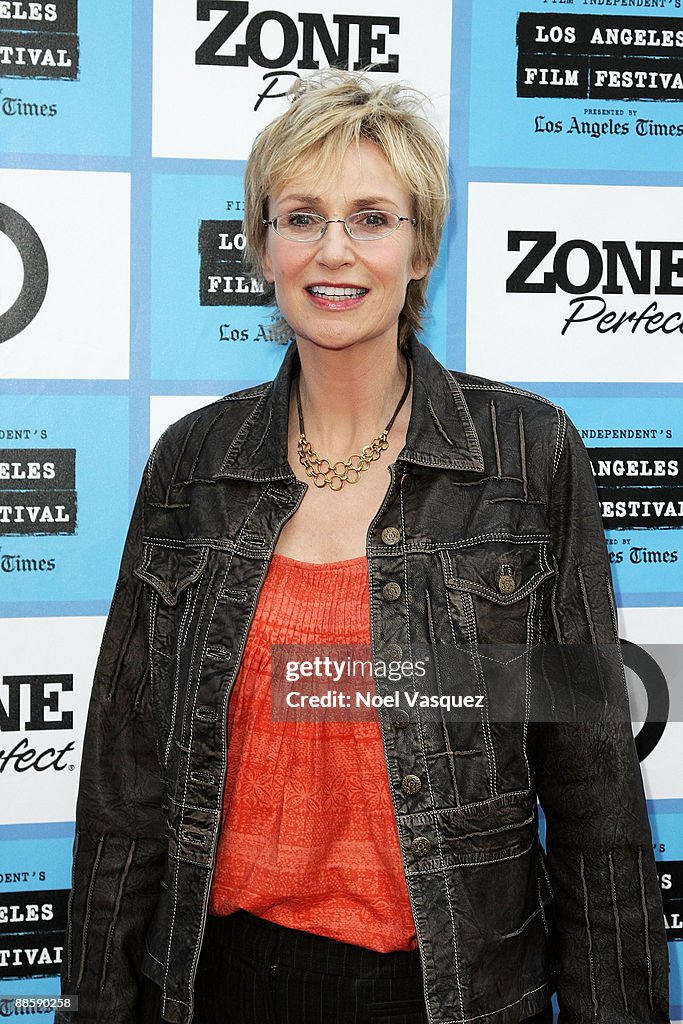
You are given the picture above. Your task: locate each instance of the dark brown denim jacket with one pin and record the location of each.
(496, 539)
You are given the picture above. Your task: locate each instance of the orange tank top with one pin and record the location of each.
(308, 836)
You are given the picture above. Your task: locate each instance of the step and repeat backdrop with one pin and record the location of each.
(124, 303)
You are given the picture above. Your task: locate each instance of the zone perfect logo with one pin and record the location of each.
(578, 266)
(33, 704)
(38, 39)
(275, 40)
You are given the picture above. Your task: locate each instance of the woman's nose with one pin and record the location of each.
(335, 248)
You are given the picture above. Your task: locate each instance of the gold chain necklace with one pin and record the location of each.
(347, 472)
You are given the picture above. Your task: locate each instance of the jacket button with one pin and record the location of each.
(506, 581)
(406, 482)
(411, 784)
(394, 651)
(420, 846)
(392, 591)
(390, 535)
(400, 718)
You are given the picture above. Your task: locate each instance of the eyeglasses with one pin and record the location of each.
(363, 226)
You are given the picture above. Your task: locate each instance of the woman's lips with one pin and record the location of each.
(328, 296)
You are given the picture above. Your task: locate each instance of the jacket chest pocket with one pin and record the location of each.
(174, 577)
(495, 595)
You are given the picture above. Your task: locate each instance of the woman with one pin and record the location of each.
(324, 871)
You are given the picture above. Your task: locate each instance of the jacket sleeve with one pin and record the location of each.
(609, 945)
(120, 843)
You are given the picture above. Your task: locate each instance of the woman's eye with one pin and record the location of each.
(373, 219)
(300, 220)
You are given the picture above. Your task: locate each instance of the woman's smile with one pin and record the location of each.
(336, 296)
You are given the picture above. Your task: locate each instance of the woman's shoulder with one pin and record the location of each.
(507, 418)
(477, 388)
(486, 398)
(220, 417)
(209, 429)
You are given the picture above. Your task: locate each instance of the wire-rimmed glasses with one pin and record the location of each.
(363, 226)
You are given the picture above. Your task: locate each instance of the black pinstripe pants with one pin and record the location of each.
(251, 971)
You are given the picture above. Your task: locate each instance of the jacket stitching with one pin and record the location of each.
(507, 389)
(115, 915)
(494, 432)
(489, 593)
(243, 430)
(561, 428)
(617, 929)
(490, 1013)
(531, 641)
(429, 782)
(69, 910)
(522, 453)
(195, 462)
(183, 802)
(541, 906)
(646, 922)
(444, 728)
(496, 831)
(219, 589)
(502, 800)
(151, 955)
(187, 615)
(454, 860)
(525, 924)
(468, 423)
(468, 608)
(185, 786)
(179, 458)
(589, 934)
(86, 922)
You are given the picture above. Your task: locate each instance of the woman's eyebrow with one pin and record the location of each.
(295, 197)
(362, 203)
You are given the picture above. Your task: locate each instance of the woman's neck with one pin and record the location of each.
(348, 396)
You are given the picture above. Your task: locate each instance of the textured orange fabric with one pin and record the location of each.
(309, 838)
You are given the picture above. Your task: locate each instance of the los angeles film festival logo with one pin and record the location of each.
(37, 493)
(39, 39)
(275, 40)
(223, 278)
(640, 488)
(600, 57)
(32, 925)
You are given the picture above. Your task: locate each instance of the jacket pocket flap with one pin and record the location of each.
(498, 571)
(171, 571)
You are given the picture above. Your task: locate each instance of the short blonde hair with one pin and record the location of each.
(330, 111)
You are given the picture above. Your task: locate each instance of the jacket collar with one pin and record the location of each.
(440, 434)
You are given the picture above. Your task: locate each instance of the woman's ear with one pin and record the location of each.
(267, 266)
(420, 268)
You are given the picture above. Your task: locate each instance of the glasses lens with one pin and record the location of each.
(300, 227)
(372, 224)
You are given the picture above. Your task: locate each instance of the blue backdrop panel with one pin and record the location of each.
(526, 110)
(82, 103)
(71, 465)
(637, 457)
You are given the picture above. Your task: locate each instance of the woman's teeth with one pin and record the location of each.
(336, 293)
